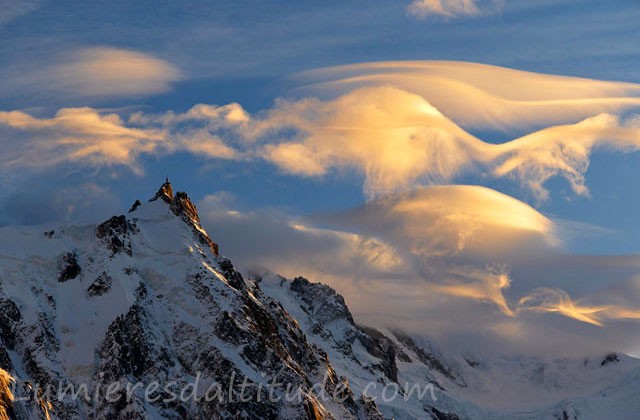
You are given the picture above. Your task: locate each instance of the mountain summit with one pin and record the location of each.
(139, 317)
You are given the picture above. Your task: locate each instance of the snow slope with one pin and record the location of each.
(145, 298)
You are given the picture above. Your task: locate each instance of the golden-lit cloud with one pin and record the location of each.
(90, 137)
(97, 72)
(563, 151)
(484, 96)
(485, 285)
(75, 134)
(453, 219)
(400, 131)
(106, 71)
(445, 231)
(397, 140)
(435, 261)
(447, 8)
(310, 250)
(556, 300)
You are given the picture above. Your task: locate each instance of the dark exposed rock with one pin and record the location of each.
(46, 336)
(202, 292)
(165, 193)
(567, 414)
(182, 206)
(255, 404)
(322, 302)
(232, 275)
(49, 234)
(610, 358)
(228, 330)
(439, 415)
(472, 362)
(35, 369)
(101, 285)
(115, 232)
(369, 408)
(5, 360)
(307, 356)
(339, 388)
(324, 305)
(9, 318)
(135, 206)
(70, 268)
(125, 349)
(262, 343)
(35, 344)
(381, 347)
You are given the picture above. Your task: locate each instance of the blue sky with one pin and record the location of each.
(95, 103)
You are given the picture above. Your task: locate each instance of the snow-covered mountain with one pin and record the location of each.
(141, 318)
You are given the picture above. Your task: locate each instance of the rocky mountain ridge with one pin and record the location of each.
(141, 318)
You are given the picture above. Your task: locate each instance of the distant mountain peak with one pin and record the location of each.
(181, 205)
(136, 301)
(165, 192)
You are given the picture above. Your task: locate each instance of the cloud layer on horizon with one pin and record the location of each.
(431, 261)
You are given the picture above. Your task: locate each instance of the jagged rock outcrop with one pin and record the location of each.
(321, 302)
(165, 192)
(135, 206)
(610, 358)
(153, 306)
(70, 269)
(115, 233)
(182, 206)
(101, 285)
(145, 304)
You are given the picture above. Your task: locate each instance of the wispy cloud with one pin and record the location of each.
(81, 135)
(437, 261)
(397, 139)
(13, 9)
(559, 301)
(480, 96)
(87, 136)
(386, 128)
